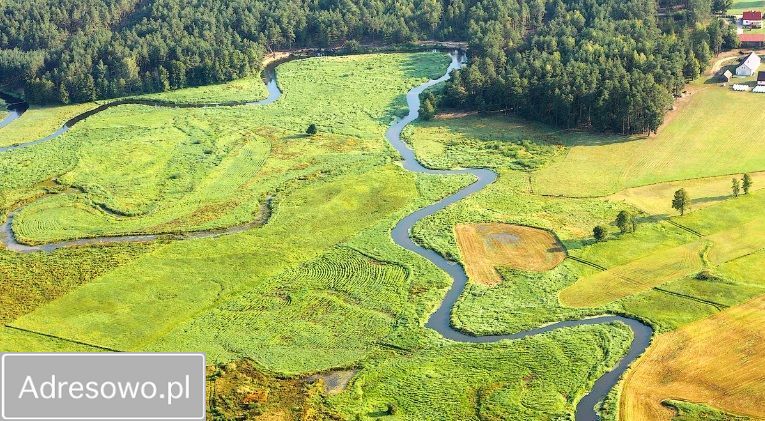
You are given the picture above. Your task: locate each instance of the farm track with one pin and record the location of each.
(440, 320)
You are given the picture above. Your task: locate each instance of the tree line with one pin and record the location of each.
(66, 51)
(608, 65)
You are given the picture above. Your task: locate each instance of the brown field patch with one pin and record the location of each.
(719, 361)
(487, 246)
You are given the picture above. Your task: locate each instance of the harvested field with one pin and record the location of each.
(655, 199)
(655, 269)
(689, 364)
(487, 246)
(637, 276)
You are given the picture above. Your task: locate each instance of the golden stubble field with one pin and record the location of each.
(487, 246)
(716, 361)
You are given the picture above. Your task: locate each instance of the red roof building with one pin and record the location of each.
(751, 37)
(752, 15)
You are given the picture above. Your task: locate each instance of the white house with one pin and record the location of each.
(752, 19)
(750, 65)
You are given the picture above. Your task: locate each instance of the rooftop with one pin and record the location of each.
(751, 37)
(752, 15)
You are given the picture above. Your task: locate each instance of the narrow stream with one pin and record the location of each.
(15, 107)
(440, 320)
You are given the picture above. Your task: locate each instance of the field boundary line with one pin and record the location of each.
(718, 306)
(74, 341)
(588, 263)
(684, 228)
(656, 183)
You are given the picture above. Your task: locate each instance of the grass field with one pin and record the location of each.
(740, 6)
(246, 89)
(194, 169)
(475, 141)
(322, 287)
(655, 199)
(690, 365)
(40, 122)
(725, 237)
(329, 189)
(484, 247)
(535, 378)
(704, 139)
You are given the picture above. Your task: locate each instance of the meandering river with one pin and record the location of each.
(440, 320)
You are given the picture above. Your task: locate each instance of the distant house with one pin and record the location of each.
(726, 76)
(750, 65)
(752, 40)
(752, 19)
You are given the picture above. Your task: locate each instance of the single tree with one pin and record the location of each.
(736, 187)
(626, 222)
(747, 184)
(600, 232)
(427, 110)
(311, 130)
(681, 201)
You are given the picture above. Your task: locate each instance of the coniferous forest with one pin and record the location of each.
(604, 64)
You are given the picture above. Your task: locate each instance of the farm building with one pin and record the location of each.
(750, 65)
(726, 76)
(752, 19)
(760, 78)
(752, 40)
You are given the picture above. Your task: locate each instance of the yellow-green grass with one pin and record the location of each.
(729, 230)
(135, 305)
(715, 361)
(663, 266)
(634, 277)
(38, 122)
(714, 133)
(656, 199)
(31, 280)
(13, 340)
(740, 6)
(245, 89)
(541, 377)
(508, 200)
(211, 168)
(478, 141)
(329, 189)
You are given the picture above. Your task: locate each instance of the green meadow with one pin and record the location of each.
(246, 89)
(318, 285)
(740, 6)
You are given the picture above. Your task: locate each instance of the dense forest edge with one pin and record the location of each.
(606, 65)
